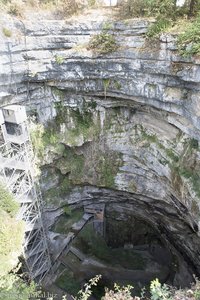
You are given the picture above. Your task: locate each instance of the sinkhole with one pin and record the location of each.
(121, 245)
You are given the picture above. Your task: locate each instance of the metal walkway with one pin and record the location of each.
(17, 174)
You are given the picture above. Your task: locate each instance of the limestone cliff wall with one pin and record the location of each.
(120, 128)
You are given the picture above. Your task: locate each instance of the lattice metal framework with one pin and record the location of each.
(17, 174)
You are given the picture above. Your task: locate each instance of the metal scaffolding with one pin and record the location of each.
(17, 174)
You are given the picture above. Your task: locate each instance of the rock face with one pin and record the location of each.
(120, 128)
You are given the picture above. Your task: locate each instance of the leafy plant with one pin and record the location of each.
(87, 291)
(107, 26)
(103, 43)
(59, 59)
(159, 291)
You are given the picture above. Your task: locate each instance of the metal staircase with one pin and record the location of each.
(17, 174)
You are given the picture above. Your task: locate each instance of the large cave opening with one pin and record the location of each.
(130, 249)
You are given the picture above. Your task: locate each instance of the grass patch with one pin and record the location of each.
(189, 40)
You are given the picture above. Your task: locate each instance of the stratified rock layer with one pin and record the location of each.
(121, 128)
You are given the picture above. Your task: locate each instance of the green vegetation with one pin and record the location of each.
(36, 138)
(103, 43)
(15, 9)
(159, 291)
(82, 119)
(159, 26)
(59, 59)
(106, 83)
(194, 144)
(179, 164)
(11, 239)
(107, 26)
(168, 15)
(152, 138)
(11, 232)
(117, 85)
(68, 283)
(7, 203)
(7, 32)
(106, 168)
(81, 125)
(189, 40)
(62, 8)
(170, 153)
(148, 8)
(64, 222)
(193, 175)
(55, 195)
(67, 210)
(182, 167)
(71, 163)
(91, 3)
(158, 8)
(68, 7)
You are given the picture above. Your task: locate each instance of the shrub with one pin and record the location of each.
(103, 43)
(159, 26)
(119, 293)
(7, 32)
(135, 8)
(69, 8)
(16, 9)
(7, 204)
(59, 59)
(91, 3)
(159, 292)
(33, 3)
(189, 41)
(86, 292)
